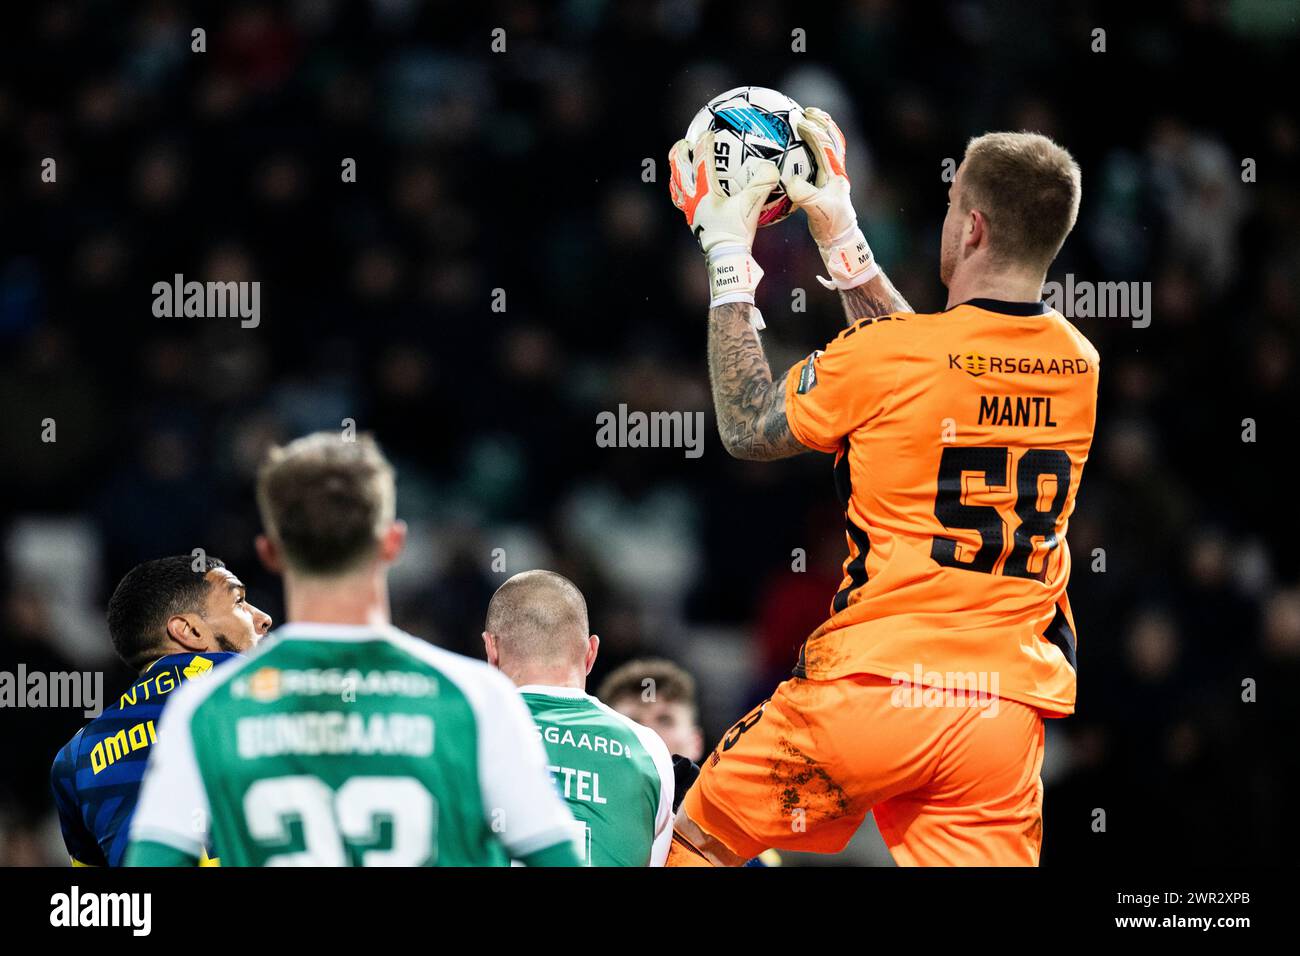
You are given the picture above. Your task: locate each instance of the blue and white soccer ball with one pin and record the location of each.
(753, 123)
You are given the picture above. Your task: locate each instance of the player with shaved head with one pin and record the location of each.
(616, 775)
(536, 630)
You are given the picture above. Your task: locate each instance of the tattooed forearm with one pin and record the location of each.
(876, 297)
(750, 406)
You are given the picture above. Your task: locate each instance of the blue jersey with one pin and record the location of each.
(96, 776)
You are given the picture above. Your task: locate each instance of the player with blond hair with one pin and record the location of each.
(959, 439)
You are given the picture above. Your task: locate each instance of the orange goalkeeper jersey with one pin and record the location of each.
(959, 442)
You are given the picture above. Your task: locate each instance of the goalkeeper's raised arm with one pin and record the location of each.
(748, 401)
(865, 290)
(750, 406)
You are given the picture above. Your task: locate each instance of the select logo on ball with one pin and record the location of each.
(751, 124)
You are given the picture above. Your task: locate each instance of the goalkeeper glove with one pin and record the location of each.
(723, 225)
(831, 219)
(685, 773)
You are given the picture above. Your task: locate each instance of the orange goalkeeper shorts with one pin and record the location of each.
(950, 783)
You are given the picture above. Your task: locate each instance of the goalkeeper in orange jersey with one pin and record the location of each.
(959, 440)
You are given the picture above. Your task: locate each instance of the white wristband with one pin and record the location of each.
(849, 260)
(733, 276)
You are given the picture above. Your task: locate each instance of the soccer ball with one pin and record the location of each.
(753, 123)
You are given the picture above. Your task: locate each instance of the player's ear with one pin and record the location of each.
(490, 649)
(183, 629)
(593, 648)
(977, 229)
(268, 554)
(392, 542)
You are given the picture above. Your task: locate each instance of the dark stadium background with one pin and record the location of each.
(522, 171)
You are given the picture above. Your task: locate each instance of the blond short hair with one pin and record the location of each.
(326, 500)
(1028, 188)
